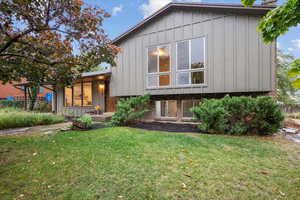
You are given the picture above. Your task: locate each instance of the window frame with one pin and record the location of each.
(82, 92)
(157, 74)
(182, 101)
(166, 117)
(190, 70)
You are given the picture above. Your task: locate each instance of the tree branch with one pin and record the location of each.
(13, 40)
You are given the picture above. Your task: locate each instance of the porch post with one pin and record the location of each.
(25, 94)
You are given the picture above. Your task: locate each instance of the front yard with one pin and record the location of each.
(126, 163)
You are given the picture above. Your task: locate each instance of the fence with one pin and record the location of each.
(41, 104)
(290, 108)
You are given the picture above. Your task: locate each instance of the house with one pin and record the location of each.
(11, 92)
(182, 53)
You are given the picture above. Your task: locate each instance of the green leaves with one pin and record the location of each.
(130, 109)
(279, 20)
(239, 115)
(248, 2)
(294, 72)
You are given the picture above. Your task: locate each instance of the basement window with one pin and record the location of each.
(186, 107)
(166, 109)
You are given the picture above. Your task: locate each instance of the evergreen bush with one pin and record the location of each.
(239, 115)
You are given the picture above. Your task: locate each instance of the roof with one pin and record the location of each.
(97, 73)
(83, 75)
(256, 9)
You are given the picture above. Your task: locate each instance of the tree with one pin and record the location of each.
(286, 93)
(55, 40)
(294, 72)
(278, 21)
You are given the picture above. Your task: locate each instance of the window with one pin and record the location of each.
(87, 94)
(158, 67)
(190, 62)
(186, 106)
(79, 95)
(68, 96)
(166, 108)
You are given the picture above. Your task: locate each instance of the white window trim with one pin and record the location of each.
(164, 117)
(190, 70)
(158, 73)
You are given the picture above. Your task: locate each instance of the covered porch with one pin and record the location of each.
(89, 92)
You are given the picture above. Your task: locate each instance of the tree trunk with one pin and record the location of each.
(33, 92)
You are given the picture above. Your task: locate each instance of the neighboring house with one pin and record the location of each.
(11, 92)
(179, 55)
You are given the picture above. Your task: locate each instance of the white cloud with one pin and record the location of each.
(116, 10)
(154, 5)
(296, 43)
(290, 49)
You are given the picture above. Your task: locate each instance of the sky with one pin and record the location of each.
(127, 13)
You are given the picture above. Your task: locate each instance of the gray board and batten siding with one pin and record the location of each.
(236, 58)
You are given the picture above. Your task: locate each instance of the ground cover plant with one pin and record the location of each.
(239, 115)
(126, 163)
(14, 118)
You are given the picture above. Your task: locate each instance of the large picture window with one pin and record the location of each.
(158, 67)
(191, 62)
(79, 94)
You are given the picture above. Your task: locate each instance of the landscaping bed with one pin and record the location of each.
(166, 126)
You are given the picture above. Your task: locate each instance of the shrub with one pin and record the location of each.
(7, 103)
(43, 106)
(15, 118)
(85, 122)
(130, 109)
(239, 115)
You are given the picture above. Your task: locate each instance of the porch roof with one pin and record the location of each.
(97, 73)
(83, 75)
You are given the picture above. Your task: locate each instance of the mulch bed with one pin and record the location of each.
(168, 127)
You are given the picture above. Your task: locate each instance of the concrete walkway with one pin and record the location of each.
(42, 130)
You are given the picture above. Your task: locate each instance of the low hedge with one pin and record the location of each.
(15, 118)
(7, 103)
(239, 115)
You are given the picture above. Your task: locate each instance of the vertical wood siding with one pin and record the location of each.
(237, 60)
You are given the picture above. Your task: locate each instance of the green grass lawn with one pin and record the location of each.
(125, 163)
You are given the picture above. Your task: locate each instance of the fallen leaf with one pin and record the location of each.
(264, 172)
(282, 194)
(183, 185)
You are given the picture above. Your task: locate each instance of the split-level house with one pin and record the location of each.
(179, 55)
